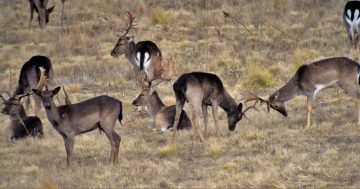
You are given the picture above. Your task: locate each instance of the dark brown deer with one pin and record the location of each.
(43, 13)
(30, 76)
(310, 79)
(75, 119)
(162, 116)
(201, 90)
(351, 18)
(21, 125)
(145, 56)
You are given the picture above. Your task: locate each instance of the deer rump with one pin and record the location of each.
(30, 73)
(33, 128)
(165, 118)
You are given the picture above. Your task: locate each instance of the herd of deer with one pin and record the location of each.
(199, 89)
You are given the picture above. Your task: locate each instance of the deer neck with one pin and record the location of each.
(155, 104)
(20, 116)
(287, 92)
(130, 52)
(22, 113)
(228, 104)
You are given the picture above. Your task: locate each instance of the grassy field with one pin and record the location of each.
(266, 150)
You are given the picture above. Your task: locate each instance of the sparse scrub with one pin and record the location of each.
(159, 16)
(167, 150)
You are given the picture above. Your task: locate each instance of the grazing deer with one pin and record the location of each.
(21, 125)
(163, 116)
(145, 56)
(351, 18)
(30, 76)
(310, 79)
(75, 119)
(43, 13)
(200, 90)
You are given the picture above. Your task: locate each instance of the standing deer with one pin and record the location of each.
(310, 79)
(43, 13)
(21, 125)
(75, 119)
(351, 18)
(30, 76)
(201, 90)
(163, 116)
(145, 56)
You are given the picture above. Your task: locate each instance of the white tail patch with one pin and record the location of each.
(138, 55)
(147, 61)
(354, 22)
(358, 77)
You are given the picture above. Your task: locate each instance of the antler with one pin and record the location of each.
(168, 70)
(42, 80)
(248, 108)
(251, 97)
(1, 96)
(129, 24)
(67, 99)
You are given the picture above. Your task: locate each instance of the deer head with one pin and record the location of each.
(143, 98)
(273, 102)
(123, 41)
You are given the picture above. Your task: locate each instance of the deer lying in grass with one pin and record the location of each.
(145, 56)
(21, 125)
(30, 76)
(201, 90)
(43, 13)
(163, 116)
(310, 79)
(75, 119)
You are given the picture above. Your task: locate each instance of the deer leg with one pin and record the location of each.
(117, 140)
(179, 108)
(205, 113)
(309, 110)
(62, 14)
(69, 146)
(31, 10)
(357, 52)
(358, 107)
(215, 107)
(195, 109)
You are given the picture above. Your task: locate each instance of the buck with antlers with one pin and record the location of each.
(201, 90)
(75, 119)
(21, 125)
(310, 79)
(29, 78)
(39, 6)
(163, 116)
(145, 57)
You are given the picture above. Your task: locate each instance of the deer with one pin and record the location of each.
(200, 90)
(145, 56)
(39, 6)
(163, 116)
(21, 125)
(29, 77)
(71, 120)
(351, 17)
(310, 79)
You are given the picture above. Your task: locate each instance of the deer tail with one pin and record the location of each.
(120, 116)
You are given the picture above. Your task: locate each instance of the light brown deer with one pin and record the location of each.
(145, 56)
(310, 79)
(75, 119)
(163, 116)
(39, 6)
(201, 90)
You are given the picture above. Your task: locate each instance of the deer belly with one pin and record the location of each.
(323, 86)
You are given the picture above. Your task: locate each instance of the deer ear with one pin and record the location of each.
(240, 106)
(56, 90)
(37, 92)
(49, 10)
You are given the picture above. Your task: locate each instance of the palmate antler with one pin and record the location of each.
(252, 97)
(43, 79)
(128, 24)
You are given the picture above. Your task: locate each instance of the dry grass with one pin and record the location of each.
(267, 150)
